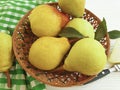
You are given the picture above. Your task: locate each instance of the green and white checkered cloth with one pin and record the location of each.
(10, 13)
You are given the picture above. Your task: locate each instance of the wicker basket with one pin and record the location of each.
(22, 41)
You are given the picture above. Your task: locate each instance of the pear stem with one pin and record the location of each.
(8, 78)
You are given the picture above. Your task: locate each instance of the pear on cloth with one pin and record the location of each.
(6, 54)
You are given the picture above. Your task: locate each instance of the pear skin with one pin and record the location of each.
(46, 20)
(82, 26)
(46, 53)
(75, 8)
(87, 56)
(5, 52)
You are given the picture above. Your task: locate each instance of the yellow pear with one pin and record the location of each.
(75, 8)
(46, 53)
(46, 20)
(5, 52)
(82, 26)
(87, 56)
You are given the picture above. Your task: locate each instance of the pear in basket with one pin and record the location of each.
(87, 56)
(82, 26)
(46, 53)
(46, 20)
(73, 7)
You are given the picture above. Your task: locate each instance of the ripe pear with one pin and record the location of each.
(114, 57)
(87, 56)
(75, 8)
(5, 52)
(46, 53)
(46, 20)
(82, 26)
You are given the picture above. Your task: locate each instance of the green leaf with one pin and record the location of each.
(114, 34)
(101, 30)
(70, 32)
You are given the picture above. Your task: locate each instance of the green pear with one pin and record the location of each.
(87, 56)
(82, 26)
(5, 52)
(46, 53)
(46, 20)
(75, 8)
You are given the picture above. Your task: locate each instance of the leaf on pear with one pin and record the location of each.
(101, 30)
(70, 32)
(114, 34)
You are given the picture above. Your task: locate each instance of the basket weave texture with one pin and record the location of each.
(22, 41)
